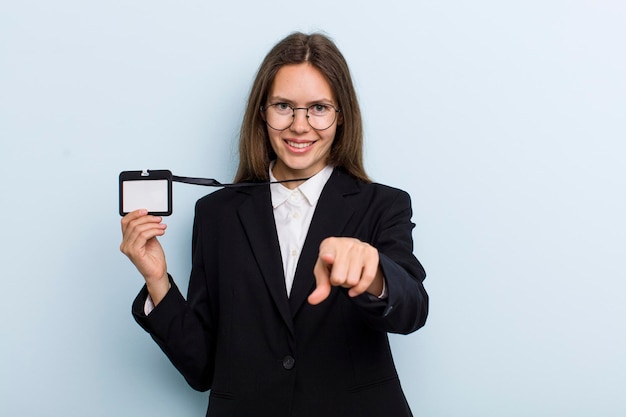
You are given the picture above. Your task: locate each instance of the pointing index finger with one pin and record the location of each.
(322, 279)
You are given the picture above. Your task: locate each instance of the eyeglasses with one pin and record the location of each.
(280, 116)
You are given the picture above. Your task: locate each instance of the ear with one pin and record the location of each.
(340, 119)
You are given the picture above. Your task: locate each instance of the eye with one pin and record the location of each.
(319, 109)
(282, 108)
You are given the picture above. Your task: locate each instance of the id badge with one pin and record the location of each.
(147, 189)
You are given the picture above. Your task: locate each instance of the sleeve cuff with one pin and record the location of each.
(148, 306)
(383, 294)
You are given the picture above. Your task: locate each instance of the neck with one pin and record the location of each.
(289, 175)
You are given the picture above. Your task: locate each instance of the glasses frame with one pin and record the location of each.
(293, 115)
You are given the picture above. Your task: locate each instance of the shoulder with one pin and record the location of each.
(218, 196)
(349, 185)
(384, 189)
(228, 200)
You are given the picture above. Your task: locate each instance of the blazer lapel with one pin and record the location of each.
(331, 215)
(257, 219)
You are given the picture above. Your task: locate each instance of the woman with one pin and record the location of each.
(294, 285)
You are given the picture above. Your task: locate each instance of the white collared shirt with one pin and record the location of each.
(293, 211)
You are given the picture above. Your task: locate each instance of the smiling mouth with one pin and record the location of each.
(299, 145)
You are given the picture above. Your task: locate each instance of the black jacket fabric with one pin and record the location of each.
(262, 353)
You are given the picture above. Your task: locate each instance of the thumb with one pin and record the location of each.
(322, 279)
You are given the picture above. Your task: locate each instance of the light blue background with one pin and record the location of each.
(503, 119)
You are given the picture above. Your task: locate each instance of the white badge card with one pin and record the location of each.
(147, 189)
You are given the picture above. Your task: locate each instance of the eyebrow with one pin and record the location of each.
(280, 99)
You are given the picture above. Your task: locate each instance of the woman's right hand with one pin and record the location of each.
(140, 244)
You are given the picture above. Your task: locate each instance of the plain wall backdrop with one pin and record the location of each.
(504, 120)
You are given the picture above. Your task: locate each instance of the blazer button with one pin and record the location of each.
(288, 362)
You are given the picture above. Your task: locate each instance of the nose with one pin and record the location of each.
(300, 120)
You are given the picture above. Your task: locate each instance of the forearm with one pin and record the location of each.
(405, 307)
(180, 334)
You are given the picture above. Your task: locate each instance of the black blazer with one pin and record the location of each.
(265, 354)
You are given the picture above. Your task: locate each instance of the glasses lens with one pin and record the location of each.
(279, 116)
(321, 116)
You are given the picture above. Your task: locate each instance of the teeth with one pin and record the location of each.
(299, 145)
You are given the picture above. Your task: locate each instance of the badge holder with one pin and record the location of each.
(146, 189)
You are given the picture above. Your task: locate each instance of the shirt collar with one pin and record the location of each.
(311, 189)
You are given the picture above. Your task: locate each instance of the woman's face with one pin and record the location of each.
(301, 150)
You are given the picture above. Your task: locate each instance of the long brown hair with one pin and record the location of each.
(255, 150)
